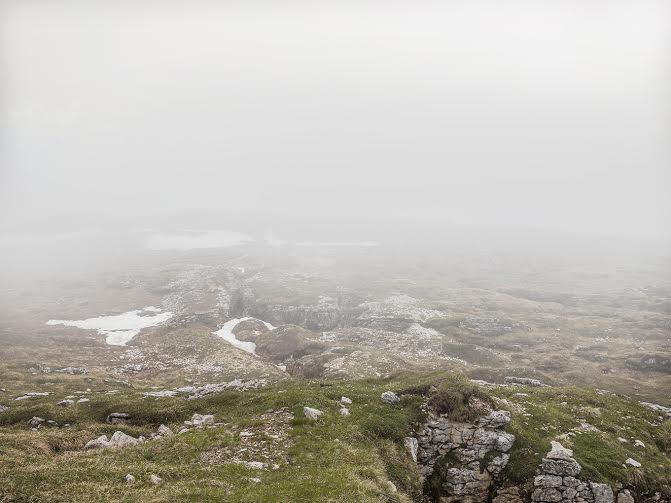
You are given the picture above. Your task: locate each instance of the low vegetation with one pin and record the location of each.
(337, 458)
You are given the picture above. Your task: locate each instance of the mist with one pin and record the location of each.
(548, 116)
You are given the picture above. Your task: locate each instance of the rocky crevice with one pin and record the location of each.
(460, 461)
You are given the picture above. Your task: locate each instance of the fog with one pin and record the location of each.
(342, 119)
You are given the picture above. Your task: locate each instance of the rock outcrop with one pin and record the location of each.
(461, 461)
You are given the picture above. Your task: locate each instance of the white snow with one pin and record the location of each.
(120, 328)
(226, 333)
(189, 240)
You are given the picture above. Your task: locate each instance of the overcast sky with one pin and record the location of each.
(551, 114)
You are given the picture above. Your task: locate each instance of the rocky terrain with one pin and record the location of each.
(349, 376)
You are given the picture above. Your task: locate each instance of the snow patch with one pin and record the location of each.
(121, 328)
(226, 333)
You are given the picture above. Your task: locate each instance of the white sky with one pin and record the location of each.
(552, 114)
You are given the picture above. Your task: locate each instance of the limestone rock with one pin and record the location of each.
(411, 445)
(202, 420)
(390, 398)
(98, 443)
(164, 431)
(66, 403)
(120, 439)
(36, 421)
(344, 411)
(559, 452)
(602, 493)
(625, 497)
(569, 468)
(632, 462)
(496, 419)
(155, 479)
(311, 413)
(345, 401)
(129, 479)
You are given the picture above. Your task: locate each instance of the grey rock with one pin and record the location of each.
(389, 397)
(36, 421)
(66, 403)
(345, 401)
(202, 420)
(625, 497)
(129, 479)
(547, 494)
(602, 493)
(560, 467)
(164, 431)
(311, 413)
(496, 419)
(155, 479)
(545, 481)
(411, 446)
(118, 418)
(559, 452)
(344, 411)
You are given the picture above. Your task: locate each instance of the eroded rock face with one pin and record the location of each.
(460, 461)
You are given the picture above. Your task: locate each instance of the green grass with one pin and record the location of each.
(339, 459)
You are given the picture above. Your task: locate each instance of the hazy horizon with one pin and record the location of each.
(545, 116)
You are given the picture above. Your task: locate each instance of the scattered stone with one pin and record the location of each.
(83, 400)
(392, 486)
(632, 462)
(311, 413)
(623, 440)
(155, 479)
(118, 440)
(66, 403)
(201, 420)
(118, 418)
(164, 431)
(638, 443)
(129, 479)
(344, 411)
(256, 465)
(345, 401)
(3, 408)
(98, 443)
(390, 398)
(35, 422)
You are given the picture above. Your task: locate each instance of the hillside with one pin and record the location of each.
(261, 447)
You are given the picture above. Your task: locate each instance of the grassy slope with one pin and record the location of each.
(335, 459)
